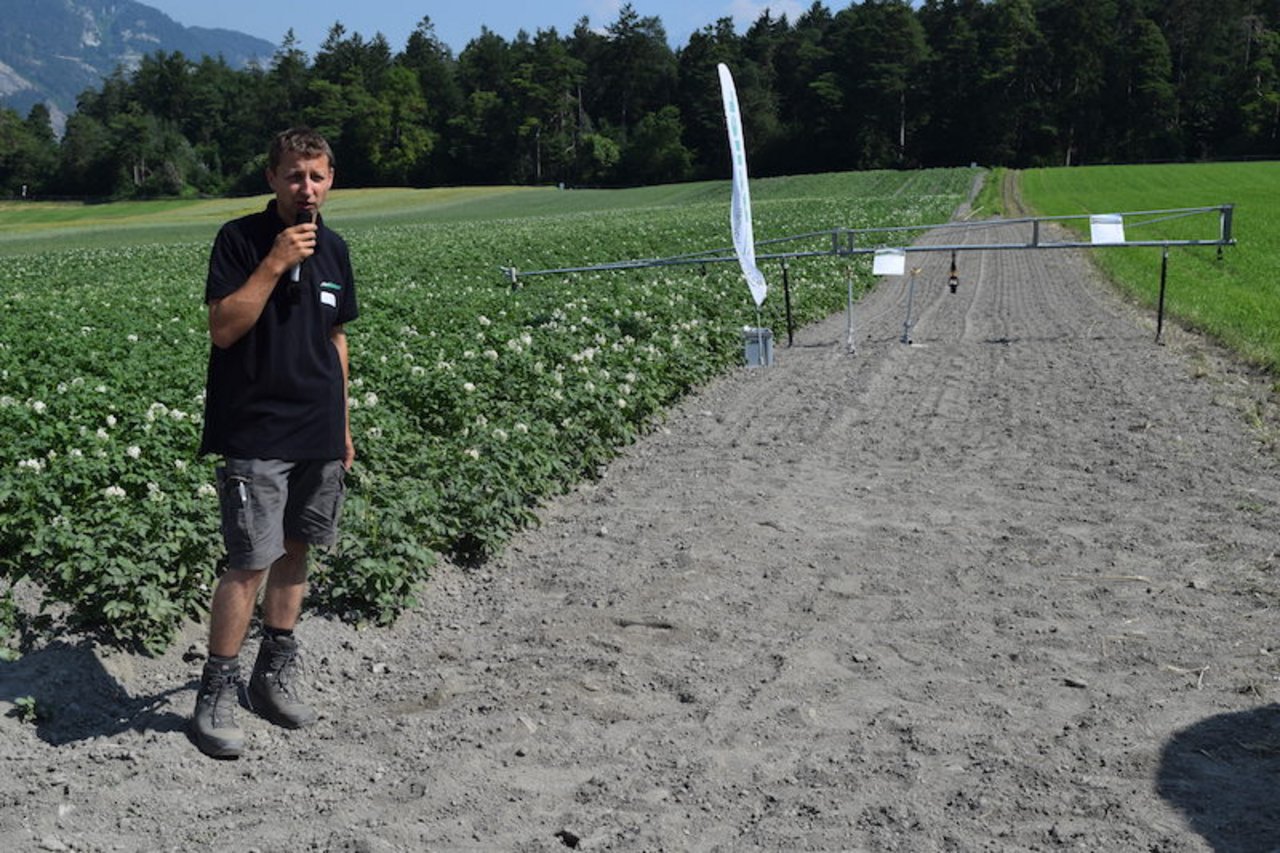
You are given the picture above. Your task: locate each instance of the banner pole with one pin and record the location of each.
(786, 296)
(848, 280)
(760, 358)
(1164, 276)
(906, 324)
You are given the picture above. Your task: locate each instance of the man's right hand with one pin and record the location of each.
(295, 244)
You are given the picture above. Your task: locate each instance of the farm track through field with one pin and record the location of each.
(1009, 587)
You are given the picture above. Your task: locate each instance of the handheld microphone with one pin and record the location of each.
(303, 218)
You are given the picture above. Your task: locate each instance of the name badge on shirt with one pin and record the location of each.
(329, 293)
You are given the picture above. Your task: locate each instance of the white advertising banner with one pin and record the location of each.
(744, 241)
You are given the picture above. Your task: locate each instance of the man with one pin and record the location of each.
(279, 291)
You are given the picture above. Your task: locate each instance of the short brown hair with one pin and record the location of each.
(298, 140)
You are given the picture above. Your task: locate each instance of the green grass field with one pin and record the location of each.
(36, 226)
(27, 227)
(1236, 299)
(43, 226)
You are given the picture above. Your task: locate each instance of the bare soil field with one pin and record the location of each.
(1010, 586)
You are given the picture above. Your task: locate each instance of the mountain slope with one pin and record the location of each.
(52, 50)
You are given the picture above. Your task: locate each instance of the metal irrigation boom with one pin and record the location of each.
(849, 242)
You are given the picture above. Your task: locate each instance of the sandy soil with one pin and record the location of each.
(1012, 586)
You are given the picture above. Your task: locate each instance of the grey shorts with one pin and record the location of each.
(265, 501)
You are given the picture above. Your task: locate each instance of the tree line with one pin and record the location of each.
(878, 84)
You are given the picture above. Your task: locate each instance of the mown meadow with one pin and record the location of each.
(471, 400)
(1235, 299)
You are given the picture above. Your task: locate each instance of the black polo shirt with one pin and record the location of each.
(277, 393)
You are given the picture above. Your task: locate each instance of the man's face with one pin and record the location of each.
(301, 183)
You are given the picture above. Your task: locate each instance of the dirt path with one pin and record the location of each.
(1011, 587)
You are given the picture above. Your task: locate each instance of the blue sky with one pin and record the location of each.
(457, 23)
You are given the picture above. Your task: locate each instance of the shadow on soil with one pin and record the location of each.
(1221, 774)
(66, 693)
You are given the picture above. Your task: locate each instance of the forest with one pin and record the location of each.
(877, 84)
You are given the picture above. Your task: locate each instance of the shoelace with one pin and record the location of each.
(222, 696)
(289, 669)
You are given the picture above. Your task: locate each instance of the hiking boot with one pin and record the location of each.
(214, 722)
(272, 686)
